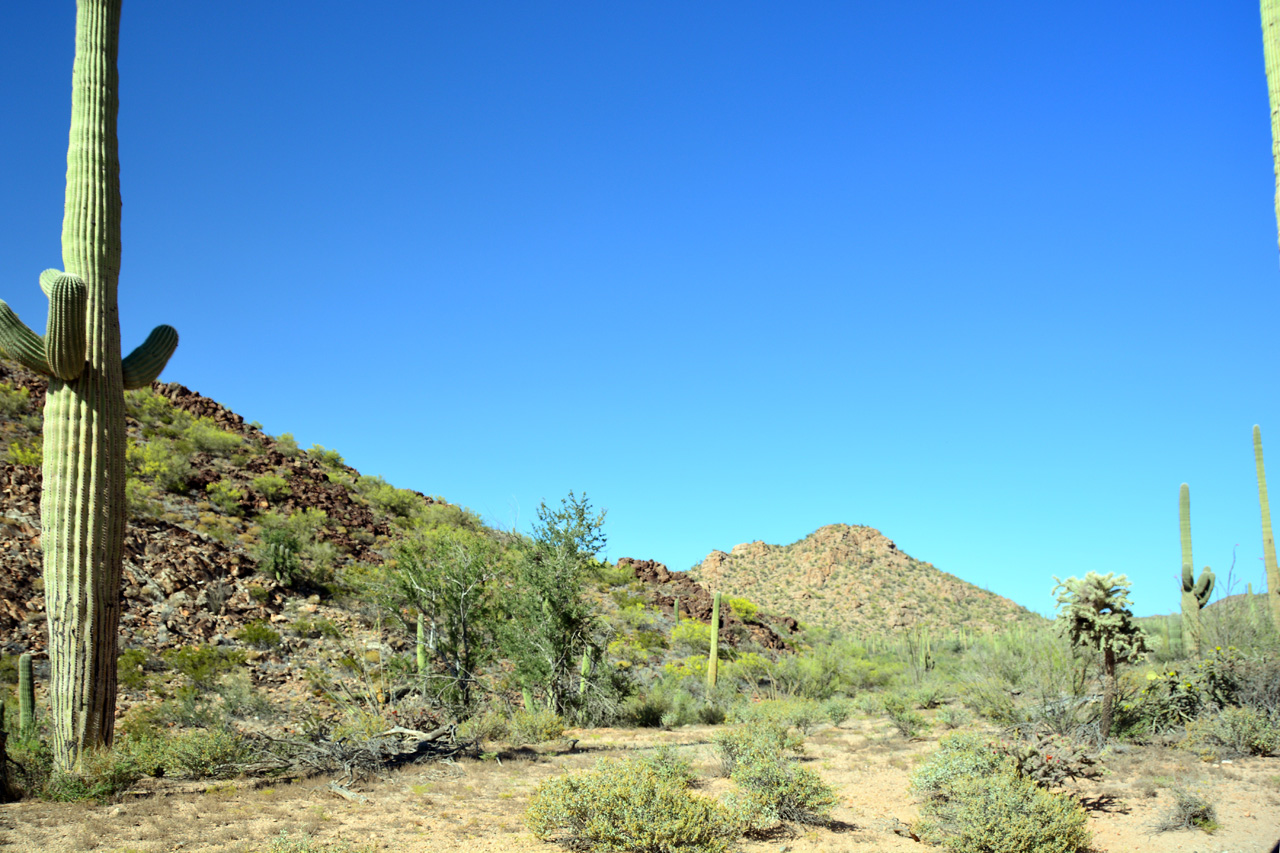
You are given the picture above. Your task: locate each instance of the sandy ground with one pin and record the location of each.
(476, 806)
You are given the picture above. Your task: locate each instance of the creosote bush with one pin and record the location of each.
(629, 805)
(535, 726)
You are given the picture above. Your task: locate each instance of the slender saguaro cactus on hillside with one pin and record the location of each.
(82, 508)
(1271, 57)
(1195, 593)
(714, 658)
(26, 699)
(1268, 541)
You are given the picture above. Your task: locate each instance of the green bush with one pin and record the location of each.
(975, 803)
(400, 503)
(838, 709)
(537, 726)
(270, 486)
(31, 453)
(773, 789)
(1233, 732)
(287, 444)
(315, 628)
(691, 637)
(206, 754)
(226, 496)
(131, 669)
(207, 437)
(954, 718)
(203, 664)
(327, 458)
(490, 724)
(13, 401)
(160, 461)
(757, 739)
(1005, 814)
(909, 722)
(259, 635)
(626, 805)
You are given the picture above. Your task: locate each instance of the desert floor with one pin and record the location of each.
(477, 805)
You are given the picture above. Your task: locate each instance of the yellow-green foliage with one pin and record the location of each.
(259, 635)
(13, 401)
(535, 726)
(692, 636)
(225, 496)
(628, 805)
(693, 665)
(160, 461)
(25, 453)
(802, 714)
(270, 486)
(742, 608)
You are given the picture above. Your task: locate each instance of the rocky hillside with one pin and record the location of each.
(855, 579)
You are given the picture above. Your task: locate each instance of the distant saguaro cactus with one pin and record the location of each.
(1195, 593)
(82, 509)
(714, 658)
(1268, 541)
(26, 699)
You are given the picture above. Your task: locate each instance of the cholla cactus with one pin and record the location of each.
(1195, 593)
(82, 508)
(1095, 613)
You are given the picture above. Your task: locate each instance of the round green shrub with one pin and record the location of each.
(1006, 814)
(626, 805)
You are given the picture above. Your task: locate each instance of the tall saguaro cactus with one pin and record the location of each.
(1268, 541)
(1271, 58)
(714, 658)
(82, 509)
(1195, 593)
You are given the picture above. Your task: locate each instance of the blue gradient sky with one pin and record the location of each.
(993, 278)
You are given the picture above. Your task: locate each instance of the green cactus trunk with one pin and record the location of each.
(1271, 58)
(1268, 541)
(422, 646)
(82, 508)
(715, 642)
(1195, 594)
(26, 699)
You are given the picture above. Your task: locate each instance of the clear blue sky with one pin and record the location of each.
(993, 278)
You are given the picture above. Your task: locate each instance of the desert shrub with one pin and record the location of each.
(327, 458)
(627, 805)
(802, 714)
(832, 669)
(959, 756)
(669, 766)
(645, 711)
(758, 739)
(909, 722)
(743, 609)
(287, 444)
(1233, 732)
(26, 453)
(203, 664)
(131, 669)
(104, 775)
(383, 496)
(773, 789)
(239, 697)
(837, 709)
(1188, 810)
(1048, 761)
(691, 637)
(206, 754)
(315, 628)
(13, 401)
(285, 843)
(259, 635)
(160, 461)
(207, 437)
(536, 726)
(954, 718)
(142, 499)
(1004, 814)
(270, 486)
(489, 724)
(226, 496)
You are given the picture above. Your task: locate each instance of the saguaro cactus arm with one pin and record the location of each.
(1200, 589)
(144, 365)
(24, 345)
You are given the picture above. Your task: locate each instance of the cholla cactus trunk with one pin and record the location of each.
(1271, 58)
(714, 658)
(1268, 541)
(82, 508)
(26, 699)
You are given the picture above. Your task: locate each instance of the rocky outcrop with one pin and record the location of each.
(666, 586)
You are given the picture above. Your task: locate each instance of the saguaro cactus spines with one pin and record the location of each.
(82, 509)
(1268, 541)
(1195, 593)
(26, 699)
(715, 641)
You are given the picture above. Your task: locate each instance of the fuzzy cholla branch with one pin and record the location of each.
(1095, 612)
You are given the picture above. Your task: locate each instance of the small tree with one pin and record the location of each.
(1095, 614)
(554, 624)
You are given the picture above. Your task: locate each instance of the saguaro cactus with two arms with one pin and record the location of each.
(1195, 593)
(82, 508)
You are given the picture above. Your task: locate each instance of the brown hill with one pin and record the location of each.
(857, 580)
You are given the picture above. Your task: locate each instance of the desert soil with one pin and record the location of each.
(476, 805)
